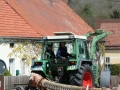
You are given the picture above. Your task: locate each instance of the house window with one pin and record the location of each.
(11, 45)
(11, 66)
(23, 66)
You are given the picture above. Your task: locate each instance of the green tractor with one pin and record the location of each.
(82, 69)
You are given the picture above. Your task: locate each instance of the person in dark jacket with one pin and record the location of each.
(50, 51)
(62, 51)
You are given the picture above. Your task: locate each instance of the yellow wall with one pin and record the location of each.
(114, 56)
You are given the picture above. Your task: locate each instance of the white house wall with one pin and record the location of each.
(4, 52)
(114, 56)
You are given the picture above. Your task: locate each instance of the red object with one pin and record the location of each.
(111, 84)
(72, 63)
(87, 80)
(0, 86)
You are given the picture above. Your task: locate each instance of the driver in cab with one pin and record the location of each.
(50, 51)
(62, 51)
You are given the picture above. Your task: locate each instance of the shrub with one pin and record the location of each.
(7, 73)
(115, 69)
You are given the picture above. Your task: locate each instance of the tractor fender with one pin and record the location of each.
(81, 62)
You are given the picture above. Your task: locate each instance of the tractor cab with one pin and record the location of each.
(76, 48)
(71, 44)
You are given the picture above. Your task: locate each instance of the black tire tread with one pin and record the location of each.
(77, 76)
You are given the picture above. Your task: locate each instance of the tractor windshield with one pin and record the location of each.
(51, 49)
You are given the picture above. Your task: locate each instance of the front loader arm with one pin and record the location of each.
(97, 36)
(93, 44)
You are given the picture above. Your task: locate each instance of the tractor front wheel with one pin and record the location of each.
(82, 77)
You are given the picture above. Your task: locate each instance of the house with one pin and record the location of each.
(32, 19)
(12, 26)
(112, 41)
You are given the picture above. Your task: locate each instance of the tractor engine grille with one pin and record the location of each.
(59, 61)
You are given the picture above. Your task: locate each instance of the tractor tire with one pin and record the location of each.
(19, 88)
(82, 77)
(31, 88)
(105, 79)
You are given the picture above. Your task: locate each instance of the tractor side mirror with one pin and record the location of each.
(2, 67)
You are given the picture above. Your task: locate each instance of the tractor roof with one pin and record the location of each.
(64, 37)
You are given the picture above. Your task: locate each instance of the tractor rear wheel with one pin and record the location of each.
(82, 77)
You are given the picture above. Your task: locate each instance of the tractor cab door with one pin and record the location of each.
(82, 49)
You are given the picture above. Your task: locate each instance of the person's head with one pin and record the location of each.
(62, 44)
(49, 47)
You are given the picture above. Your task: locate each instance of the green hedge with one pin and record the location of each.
(115, 69)
(7, 73)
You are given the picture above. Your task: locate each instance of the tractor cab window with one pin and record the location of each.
(69, 47)
(54, 48)
(83, 54)
(81, 48)
(65, 50)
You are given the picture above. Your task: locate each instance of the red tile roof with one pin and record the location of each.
(66, 1)
(113, 41)
(12, 24)
(49, 16)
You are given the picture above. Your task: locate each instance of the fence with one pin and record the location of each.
(8, 82)
(115, 81)
(2, 83)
